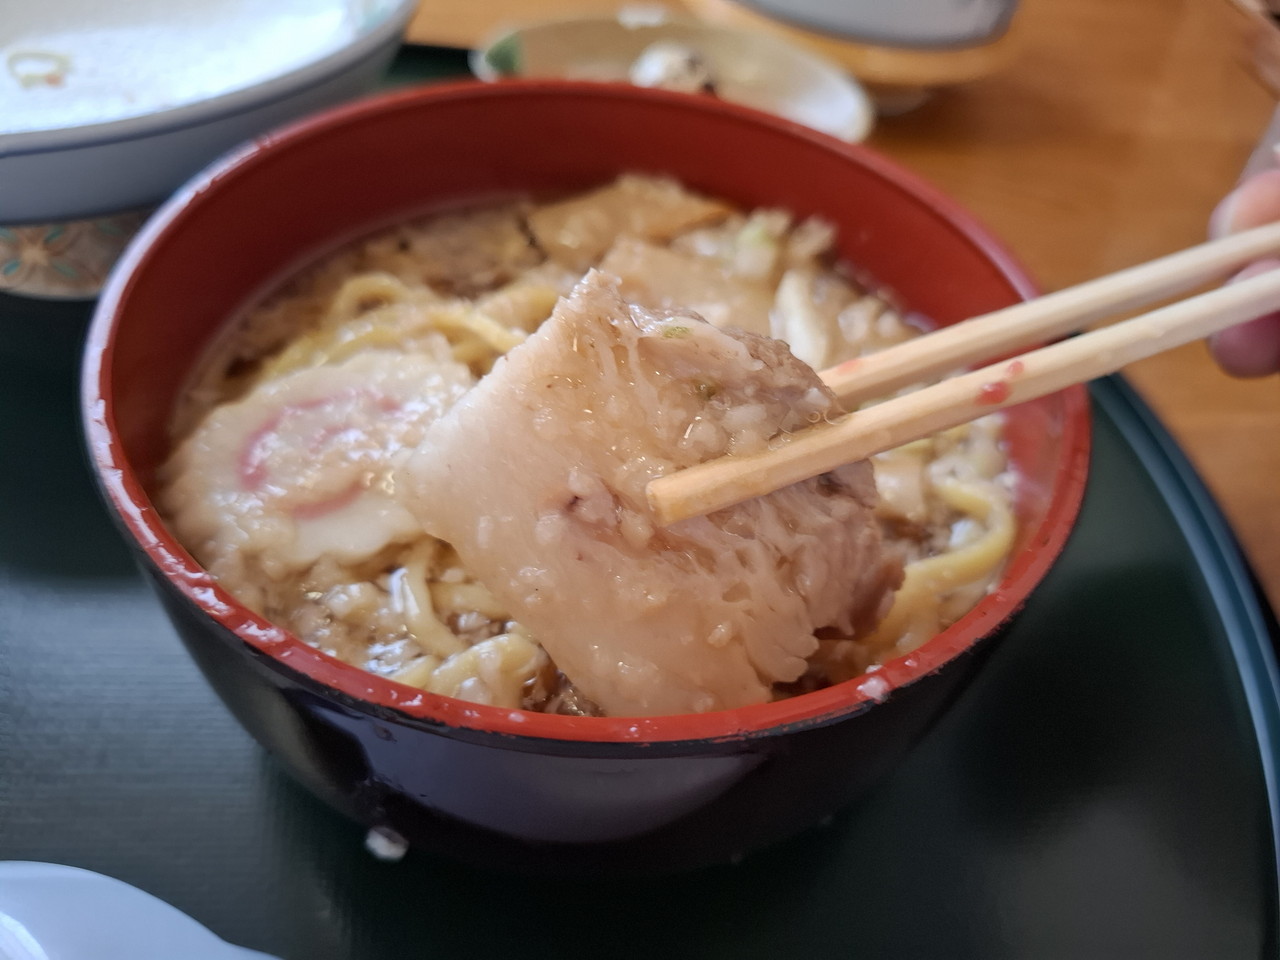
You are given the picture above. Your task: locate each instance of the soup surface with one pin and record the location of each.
(290, 474)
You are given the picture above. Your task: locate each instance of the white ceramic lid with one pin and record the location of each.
(76, 63)
(106, 107)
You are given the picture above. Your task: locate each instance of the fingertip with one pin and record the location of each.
(1254, 202)
(1224, 215)
(1249, 350)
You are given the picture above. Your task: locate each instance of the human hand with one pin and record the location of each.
(1251, 349)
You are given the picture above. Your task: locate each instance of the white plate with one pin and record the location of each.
(750, 68)
(106, 107)
(53, 912)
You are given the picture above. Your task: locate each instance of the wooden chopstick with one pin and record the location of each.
(1046, 318)
(725, 481)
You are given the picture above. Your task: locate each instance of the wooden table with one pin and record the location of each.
(1108, 142)
(1105, 142)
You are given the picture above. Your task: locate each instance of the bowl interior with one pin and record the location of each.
(287, 198)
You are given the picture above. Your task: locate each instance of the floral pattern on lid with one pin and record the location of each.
(63, 260)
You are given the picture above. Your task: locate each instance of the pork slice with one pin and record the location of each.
(462, 253)
(660, 278)
(537, 477)
(577, 231)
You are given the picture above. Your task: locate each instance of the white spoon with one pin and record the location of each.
(53, 912)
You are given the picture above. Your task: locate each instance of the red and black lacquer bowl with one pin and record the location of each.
(503, 787)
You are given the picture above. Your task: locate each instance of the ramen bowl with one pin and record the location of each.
(523, 790)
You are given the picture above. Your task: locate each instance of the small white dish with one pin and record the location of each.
(746, 67)
(54, 912)
(107, 107)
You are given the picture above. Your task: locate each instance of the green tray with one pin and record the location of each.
(1105, 788)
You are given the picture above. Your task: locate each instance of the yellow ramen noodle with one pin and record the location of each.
(283, 479)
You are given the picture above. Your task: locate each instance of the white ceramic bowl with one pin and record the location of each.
(108, 107)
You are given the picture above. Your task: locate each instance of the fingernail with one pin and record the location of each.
(1224, 214)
